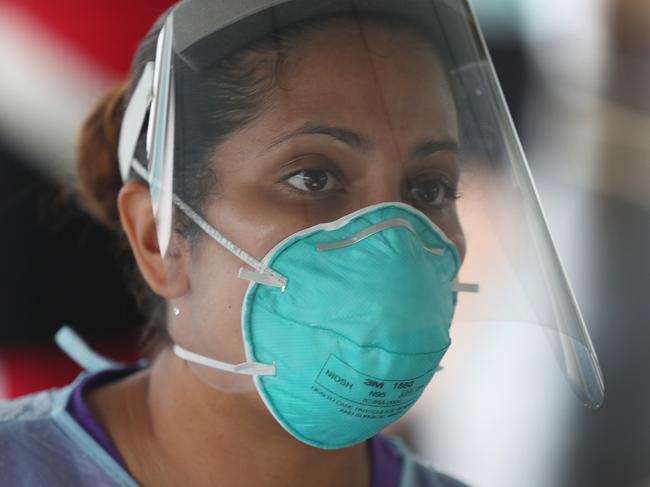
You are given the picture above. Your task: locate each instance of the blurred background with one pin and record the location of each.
(576, 76)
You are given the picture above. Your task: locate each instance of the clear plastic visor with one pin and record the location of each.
(298, 114)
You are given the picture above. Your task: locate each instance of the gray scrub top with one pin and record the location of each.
(41, 444)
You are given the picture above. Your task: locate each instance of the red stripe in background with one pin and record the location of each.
(105, 32)
(27, 369)
(31, 369)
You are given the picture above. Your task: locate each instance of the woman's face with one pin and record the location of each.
(358, 116)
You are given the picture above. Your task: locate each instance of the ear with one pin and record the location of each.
(167, 277)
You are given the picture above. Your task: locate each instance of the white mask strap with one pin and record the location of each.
(262, 274)
(245, 368)
(464, 287)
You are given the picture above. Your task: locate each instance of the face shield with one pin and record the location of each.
(288, 141)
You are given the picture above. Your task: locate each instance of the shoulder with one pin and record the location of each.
(28, 438)
(417, 472)
(35, 450)
(426, 476)
(27, 408)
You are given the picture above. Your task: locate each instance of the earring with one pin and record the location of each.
(176, 310)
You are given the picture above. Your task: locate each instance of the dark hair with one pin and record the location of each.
(237, 84)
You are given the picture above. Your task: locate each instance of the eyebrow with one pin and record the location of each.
(361, 143)
(428, 147)
(348, 137)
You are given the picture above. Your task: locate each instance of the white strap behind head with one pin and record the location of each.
(245, 368)
(464, 287)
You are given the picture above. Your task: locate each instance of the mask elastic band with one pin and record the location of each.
(245, 368)
(464, 287)
(263, 274)
(262, 278)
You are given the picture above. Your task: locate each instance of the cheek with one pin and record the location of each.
(213, 276)
(450, 224)
(255, 232)
(215, 290)
(459, 240)
(210, 316)
(209, 321)
(256, 219)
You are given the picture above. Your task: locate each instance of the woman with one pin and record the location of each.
(301, 290)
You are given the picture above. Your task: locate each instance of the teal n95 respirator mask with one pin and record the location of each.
(344, 323)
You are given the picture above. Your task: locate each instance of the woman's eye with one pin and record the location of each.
(433, 193)
(314, 180)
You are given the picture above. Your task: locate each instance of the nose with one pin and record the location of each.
(383, 186)
(374, 196)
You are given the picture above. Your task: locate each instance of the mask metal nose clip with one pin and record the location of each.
(374, 229)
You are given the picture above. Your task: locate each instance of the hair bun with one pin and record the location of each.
(97, 163)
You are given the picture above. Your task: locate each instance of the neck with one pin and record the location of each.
(172, 429)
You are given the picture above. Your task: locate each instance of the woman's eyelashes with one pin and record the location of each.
(319, 176)
(314, 180)
(436, 192)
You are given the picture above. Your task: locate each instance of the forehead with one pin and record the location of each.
(360, 73)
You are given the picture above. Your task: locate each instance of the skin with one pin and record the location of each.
(384, 93)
